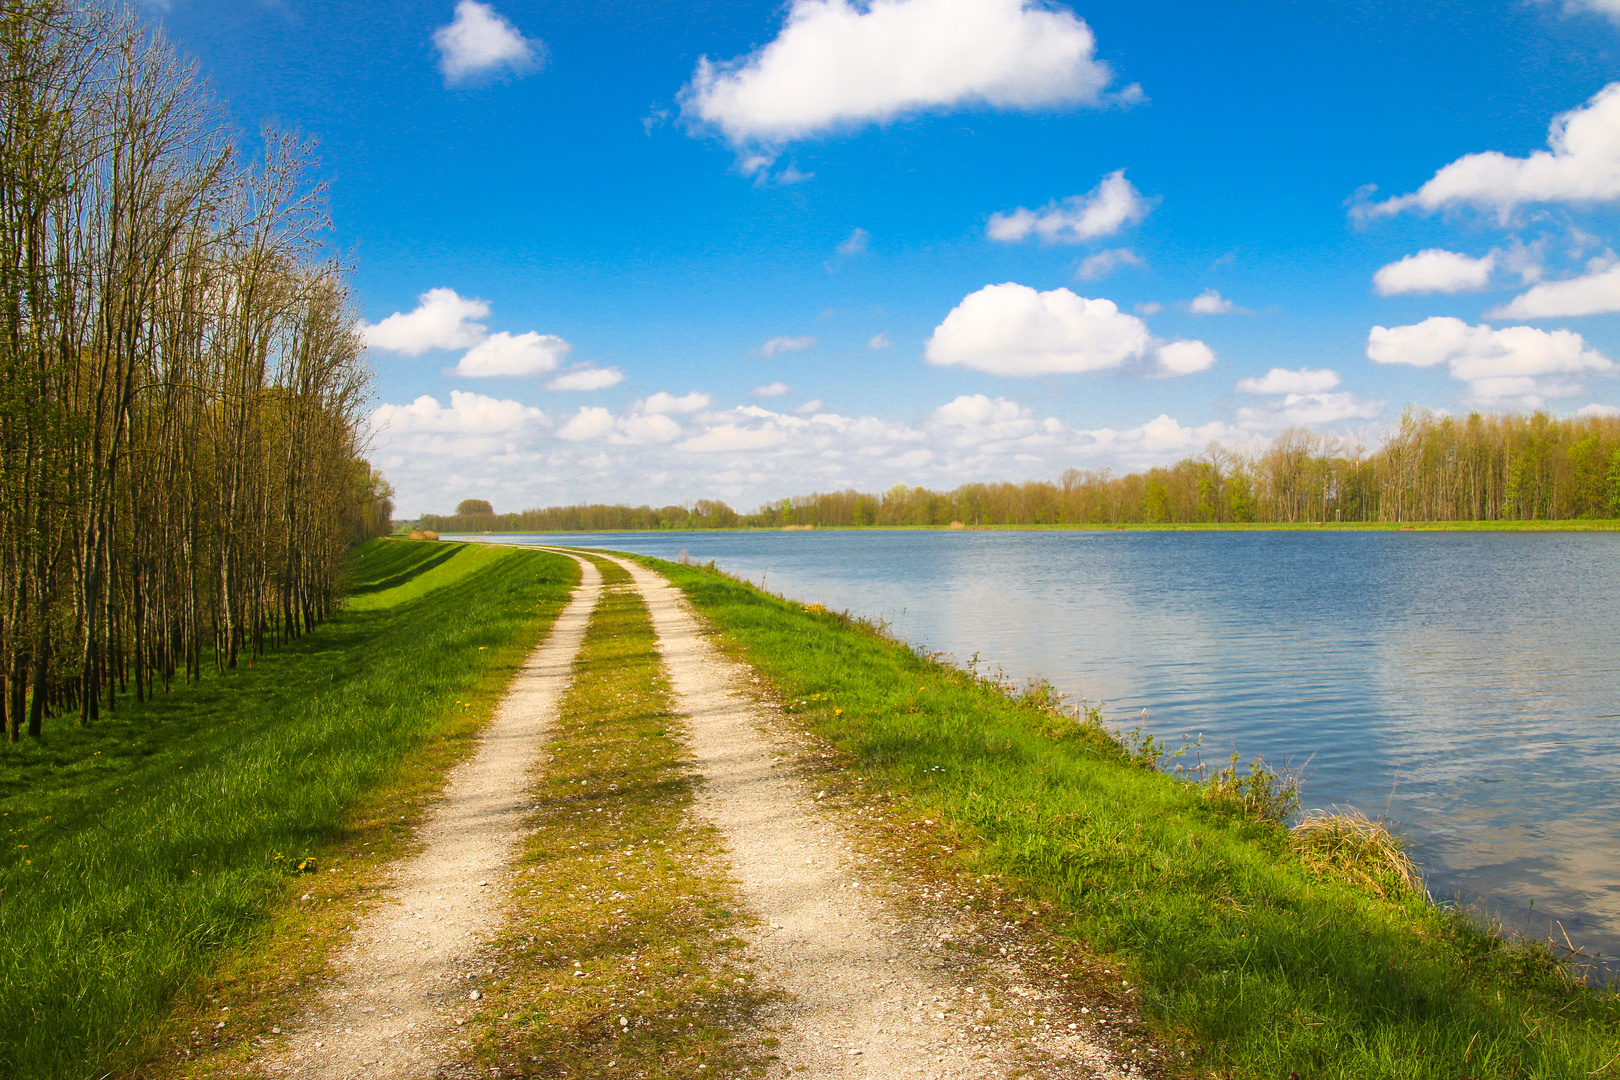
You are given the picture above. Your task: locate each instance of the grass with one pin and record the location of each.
(619, 960)
(152, 862)
(1270, 963)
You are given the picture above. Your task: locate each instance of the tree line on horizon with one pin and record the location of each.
(1480, 467)
(181, 381)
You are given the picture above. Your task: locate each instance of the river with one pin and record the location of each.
(1465, 686)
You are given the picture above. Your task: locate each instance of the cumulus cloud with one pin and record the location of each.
(878, 341)
(775, 389)
(1301, 397)
(441, 320)
(467, 413)
(1434, 270)
(1595, 293)
(1012, 329)
(633, 428)
(838, 64)
(1104, 210)
(1210, 302)
(1595, 409)
(587, 377)
(662, 402)
(855, 243)
(1283, 381)
(480, 41)
(1516, 363)
(810, 407)
(515, 354)
(778, 345)
(1104, 263)
(1581, 165)
(1183, 357)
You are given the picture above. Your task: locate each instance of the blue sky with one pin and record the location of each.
(656, 252)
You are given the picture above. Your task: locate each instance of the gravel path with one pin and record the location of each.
(409, 968)
(866, 994)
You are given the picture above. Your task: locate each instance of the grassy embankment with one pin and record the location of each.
(1271, 968)
(150, 880)
(618, 961)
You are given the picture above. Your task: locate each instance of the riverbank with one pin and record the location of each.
(1571, 525)
(1234, 945)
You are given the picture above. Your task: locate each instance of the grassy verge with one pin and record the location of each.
(1268, 966)
(620, 961)
(152, 867)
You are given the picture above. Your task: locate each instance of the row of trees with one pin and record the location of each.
(1430, 468)
(180, 376)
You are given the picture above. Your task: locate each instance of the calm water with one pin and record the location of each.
(1468, 682)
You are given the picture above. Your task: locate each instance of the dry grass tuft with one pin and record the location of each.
(1350, 846)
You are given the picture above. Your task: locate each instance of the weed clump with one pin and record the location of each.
(1351, 847)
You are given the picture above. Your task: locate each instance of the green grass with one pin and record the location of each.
(628, 888)
(143, 850)
(1270, 968)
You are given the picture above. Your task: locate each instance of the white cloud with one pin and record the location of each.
(1185, 357)
(587, 377)
(1012, 329)
(977, 410)
(1104, 263)
(1307, 410)
(732, 438)
(649, 428)
(1582, 165)
(1594, 293)
(441, 320)
(467, 414)
(1516, 363)
(1283, 381)
(1302, 397)
(1595, 409)
(855, 244)
(810, 407)
(778, 345)
(590, 422)
(515, 354)
(480, 41)
(1152, 307)
(837, 64)
(662, 402)
(1434, 270)
(879, 341)
(1102, 211)
(1210, 302)
(775, 389)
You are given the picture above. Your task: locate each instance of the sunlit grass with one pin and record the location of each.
(146, 849)
(1270, 964)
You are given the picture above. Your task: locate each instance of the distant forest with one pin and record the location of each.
(181, 383)
(1431, 468)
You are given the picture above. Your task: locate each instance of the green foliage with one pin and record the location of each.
(1272, 965)
(141, 849)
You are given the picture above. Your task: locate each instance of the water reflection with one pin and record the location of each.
(1467, 684)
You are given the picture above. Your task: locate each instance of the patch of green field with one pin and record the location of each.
(140, 851)
(1267, 968)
